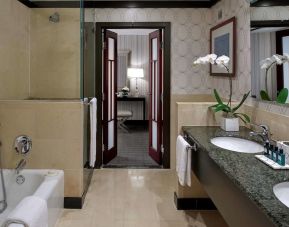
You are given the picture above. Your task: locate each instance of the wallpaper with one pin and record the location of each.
(270, 13)
(190, 39)
(242, 81)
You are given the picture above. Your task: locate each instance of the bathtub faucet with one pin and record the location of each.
(20, 166)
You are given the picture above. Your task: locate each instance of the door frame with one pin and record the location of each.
(166, 26)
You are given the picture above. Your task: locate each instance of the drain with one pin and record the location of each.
(20, 179)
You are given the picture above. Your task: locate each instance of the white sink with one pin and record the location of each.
(281, 191)
(237, 144)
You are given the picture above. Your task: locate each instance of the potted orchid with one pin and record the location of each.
(125, 91)
(267, 64)
(230, 118)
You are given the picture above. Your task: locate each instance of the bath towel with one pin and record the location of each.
(30, 212)
(93, 125)
(183, 161)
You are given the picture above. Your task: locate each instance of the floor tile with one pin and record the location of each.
(135, 198)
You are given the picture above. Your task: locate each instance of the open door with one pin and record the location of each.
(156, 91)
(109, 96)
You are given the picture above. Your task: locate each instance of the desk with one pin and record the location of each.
(135, 99)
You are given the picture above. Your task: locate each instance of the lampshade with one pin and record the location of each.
(135, 73)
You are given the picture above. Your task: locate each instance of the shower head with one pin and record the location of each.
(55, 18)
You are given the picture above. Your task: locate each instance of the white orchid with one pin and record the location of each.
(125, 89)
(278, 59)
(266, 63)
(222, 61)
(213, 59)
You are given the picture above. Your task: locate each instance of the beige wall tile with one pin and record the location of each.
(55, 54)
(73, 181)
(14, 50)
(56, 129)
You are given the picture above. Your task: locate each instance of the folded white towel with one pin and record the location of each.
(30, 212)
(93, 125)
(183, 161)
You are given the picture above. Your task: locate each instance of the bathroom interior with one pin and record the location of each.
(80, 143)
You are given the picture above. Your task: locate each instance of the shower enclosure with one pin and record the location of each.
(43, 82)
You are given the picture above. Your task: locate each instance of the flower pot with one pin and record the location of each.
(230, 124)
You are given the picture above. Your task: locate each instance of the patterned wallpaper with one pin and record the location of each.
(242, 81)
(270, 13)
(190, 39)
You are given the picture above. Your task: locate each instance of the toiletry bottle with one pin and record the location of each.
(271, 150)
(281, 158)
(266, 149)
(275, 154)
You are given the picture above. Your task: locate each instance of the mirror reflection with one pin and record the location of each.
(270, 68)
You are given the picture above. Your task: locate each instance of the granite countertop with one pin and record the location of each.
(253, 177)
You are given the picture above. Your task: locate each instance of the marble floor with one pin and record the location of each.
(135, 198)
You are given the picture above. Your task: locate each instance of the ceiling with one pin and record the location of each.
(120, 3)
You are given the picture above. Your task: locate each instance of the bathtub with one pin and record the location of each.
(46, 184)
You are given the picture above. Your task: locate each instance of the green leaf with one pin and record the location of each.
(241, 103)
(217, 96)
(264, 95)
(244, 117)
(283, 95)
(222, 107)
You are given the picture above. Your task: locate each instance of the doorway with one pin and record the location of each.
(135, 128)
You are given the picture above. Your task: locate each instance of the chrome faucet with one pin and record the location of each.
(20, 166)
(264, 134)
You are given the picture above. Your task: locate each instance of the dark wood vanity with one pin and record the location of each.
(236, 182)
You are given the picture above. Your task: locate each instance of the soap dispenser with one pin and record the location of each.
(267, 149)
(281, 158)
(275, 154)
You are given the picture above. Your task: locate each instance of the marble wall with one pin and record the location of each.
(14, 50)
(55, 139)
(55, 54)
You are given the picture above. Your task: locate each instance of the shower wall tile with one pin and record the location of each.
(14, 50)
(55, 54)
(56, 129)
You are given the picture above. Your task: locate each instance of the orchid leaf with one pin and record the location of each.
(264, 95)
(244, 117)
(283, 95)
(217, 96)
(241, 103)
(222, 107)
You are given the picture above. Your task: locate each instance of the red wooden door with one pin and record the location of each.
(156, 91)
(109, 96)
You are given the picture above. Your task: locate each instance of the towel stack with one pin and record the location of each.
(183, 162)
(30, 212)
(93, 125)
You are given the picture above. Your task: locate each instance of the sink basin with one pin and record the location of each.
(281, 191)
(237, 144)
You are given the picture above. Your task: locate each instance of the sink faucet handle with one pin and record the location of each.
(265, 127)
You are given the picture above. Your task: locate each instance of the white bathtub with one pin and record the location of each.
(46, 184)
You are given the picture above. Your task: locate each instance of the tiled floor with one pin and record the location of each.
(135, 198)
(132, 148)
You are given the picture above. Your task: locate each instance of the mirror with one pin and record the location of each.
(270, 71)
(270, 53)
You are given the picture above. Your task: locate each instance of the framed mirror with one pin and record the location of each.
(270, 54)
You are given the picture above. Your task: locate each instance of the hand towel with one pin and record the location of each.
(30, 212)
(183, 161)
(93, 125)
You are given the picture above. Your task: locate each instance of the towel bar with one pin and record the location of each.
(190, 147)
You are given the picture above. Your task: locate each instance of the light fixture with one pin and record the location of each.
(135, 73)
